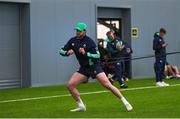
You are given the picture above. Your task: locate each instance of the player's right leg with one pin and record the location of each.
(119, 74)
(76, 79)
(176, 71)
(157, 68)
(101, 77)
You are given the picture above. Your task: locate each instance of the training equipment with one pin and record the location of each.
(119, 45)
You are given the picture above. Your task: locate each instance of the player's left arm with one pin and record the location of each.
(92, 51)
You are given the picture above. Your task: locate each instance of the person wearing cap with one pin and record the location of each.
(159, 46)
(85, 51)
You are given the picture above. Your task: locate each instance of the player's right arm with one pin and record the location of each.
(158, 44)
(66, 50)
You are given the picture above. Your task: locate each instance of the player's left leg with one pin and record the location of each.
(101, 77)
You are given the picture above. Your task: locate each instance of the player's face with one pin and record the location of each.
(80, 34)
(161, 34)
(111, 36)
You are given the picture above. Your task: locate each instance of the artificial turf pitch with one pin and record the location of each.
(147, 102)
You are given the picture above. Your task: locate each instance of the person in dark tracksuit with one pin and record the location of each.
(159, 46)
(127, 51)
(115, 47)
(85, 51)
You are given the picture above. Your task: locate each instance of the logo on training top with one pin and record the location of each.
(118, 63)
(160, 40)
(72, 44)
(84, 45)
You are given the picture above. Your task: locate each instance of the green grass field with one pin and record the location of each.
(147, 102)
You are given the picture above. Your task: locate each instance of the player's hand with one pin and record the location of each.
(120, 47)
(70, 52)
(128, 50)
(82, 51)
(164, 45)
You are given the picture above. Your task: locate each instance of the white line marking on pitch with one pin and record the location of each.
(88, 93)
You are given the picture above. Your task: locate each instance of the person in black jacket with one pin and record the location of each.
(159, 46)
(127, 51)
(85, 51)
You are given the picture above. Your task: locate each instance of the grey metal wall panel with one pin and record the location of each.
(43, 42)
(52, 24)
(25, 44)
(177, 18)
(9, 43)
(148, 18)
(104, 12)
(16, 1)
